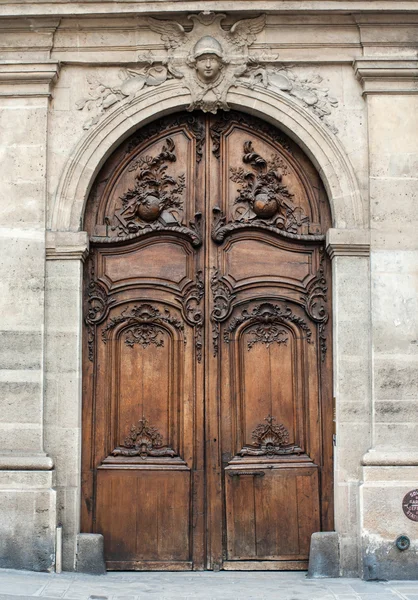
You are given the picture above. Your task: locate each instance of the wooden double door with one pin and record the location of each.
(207, 410)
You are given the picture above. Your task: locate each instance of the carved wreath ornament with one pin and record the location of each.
(208, 60)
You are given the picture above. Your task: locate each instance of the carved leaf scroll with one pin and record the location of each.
(143, 441)
(193, 313)
(315, 303)
(267, 334)
(267, 315)
(222, 300)
(270, 440)
(145, 335)
(97, 309)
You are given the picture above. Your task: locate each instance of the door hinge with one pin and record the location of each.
(334, 439)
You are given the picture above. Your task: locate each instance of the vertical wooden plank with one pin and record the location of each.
(286, 522)
(173, 516)
(267, 512)
(308, 509)
(240, 517)
(116, 516)
(147, 515)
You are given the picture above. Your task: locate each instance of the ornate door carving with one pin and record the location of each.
(207, 413)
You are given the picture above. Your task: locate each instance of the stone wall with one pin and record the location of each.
(343, 84)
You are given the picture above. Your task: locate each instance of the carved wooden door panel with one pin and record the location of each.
(207, 413)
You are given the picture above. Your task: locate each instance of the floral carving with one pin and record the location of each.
(146, 73)
(136, 318)
(309, 91)
(267, 314)
(263, 201)
(270, 440)
(315, 303)
(143, 441)
(97, 309)
(267, 334)
(261, 187)
(222, 300)
(154, 203)
(193, 313)
(156, 194)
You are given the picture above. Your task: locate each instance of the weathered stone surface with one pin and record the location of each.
(27, 524)
(382, 561)
(90, 557)
(324, 555)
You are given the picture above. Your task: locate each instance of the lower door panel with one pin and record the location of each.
(271, 512)
(145, 515)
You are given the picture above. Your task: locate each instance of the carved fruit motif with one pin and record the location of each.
(264, 207)
(261, 187)
(154, 192)
(150, 209)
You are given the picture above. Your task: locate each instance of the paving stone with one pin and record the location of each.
(15, 585)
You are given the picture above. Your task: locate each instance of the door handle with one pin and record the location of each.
(240, 473)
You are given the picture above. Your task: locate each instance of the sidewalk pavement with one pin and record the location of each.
(15, 585)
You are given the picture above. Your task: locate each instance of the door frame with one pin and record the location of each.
(347, 244)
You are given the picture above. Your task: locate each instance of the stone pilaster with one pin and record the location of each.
(65, 253)
(390, 86)
(349, 250)
(27, 497)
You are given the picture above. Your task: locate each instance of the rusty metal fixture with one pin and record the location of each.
(403, 542)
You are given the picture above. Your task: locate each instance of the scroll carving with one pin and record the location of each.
(193, 313)
(98, 304)
(315, 303)
(141, 322)
(143, 441)
(263, 201)
(145, 335)
(222, 300)
(267, 315)
(270, 440)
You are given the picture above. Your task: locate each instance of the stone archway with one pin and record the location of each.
(322, 147)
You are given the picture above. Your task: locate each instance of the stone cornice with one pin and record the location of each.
(387, 75)
(348, 242)
(27, 78)
(67, 245)
(108, 7)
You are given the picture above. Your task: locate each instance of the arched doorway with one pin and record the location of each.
(207, 409)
